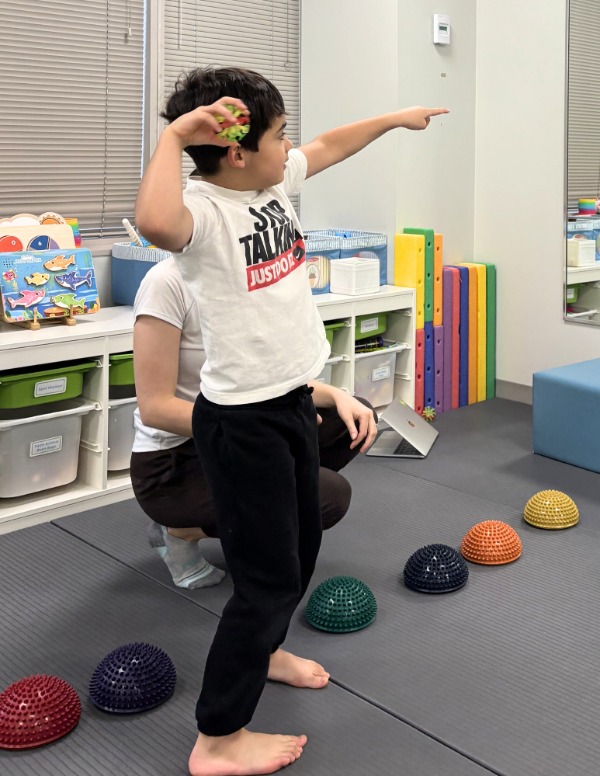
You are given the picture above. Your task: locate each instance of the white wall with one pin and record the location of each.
(349, 72)
(436, 168)
(359, 60)
(489, 176)
(519, 183)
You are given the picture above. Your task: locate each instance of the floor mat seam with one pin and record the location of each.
(414, 726)
(170, 588)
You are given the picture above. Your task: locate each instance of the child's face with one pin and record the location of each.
(267, 165)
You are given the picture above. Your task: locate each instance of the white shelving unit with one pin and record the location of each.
(398, 303)
(111, 331)
(583, 274)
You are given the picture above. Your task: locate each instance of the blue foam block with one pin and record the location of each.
(566, 423)
(429, 366)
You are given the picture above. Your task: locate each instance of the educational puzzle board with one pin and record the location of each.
(51, 282)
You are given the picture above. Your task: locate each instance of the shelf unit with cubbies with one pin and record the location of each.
(110, 331)
(94, 338)
(397, 304)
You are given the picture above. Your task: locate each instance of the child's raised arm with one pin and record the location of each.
(160, 214)
(338, 144)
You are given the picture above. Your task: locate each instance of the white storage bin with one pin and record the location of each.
(354, 276)
(40, 449)
(374, 377)
(581, 252)
(120, 433)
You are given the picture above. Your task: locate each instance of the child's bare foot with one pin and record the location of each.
(243, 753)
(297, 671)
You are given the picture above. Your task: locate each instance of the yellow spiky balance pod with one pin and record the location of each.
(551, 509)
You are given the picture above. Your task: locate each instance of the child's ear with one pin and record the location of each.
(235, 156)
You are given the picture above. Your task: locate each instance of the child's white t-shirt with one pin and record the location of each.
(245, 269)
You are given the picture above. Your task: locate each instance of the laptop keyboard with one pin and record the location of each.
(405, 448)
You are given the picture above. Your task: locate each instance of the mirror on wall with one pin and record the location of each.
(582, 278)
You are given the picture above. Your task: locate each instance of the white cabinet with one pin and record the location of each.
(111, 331)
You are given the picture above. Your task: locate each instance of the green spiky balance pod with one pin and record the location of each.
(341, 605)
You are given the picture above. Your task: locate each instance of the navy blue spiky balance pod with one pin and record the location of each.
(341, 605)
(134, 677)
(435, 568)
(37, 710)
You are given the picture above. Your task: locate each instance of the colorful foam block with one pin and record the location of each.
(481, 318)
(473, 331)
(438, 362)
(463, 327)
(490, 348)
(419, 370)
(429, 366)
(409, 269)
(438, 297)
(448, 315)
(429, 266)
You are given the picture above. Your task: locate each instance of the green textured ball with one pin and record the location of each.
(341, 605)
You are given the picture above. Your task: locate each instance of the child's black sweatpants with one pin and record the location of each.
(262, 463)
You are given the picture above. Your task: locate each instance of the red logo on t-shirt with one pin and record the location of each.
(268, 272)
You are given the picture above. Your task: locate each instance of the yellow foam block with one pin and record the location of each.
(478, 279)
(438, 243)
(409, 269)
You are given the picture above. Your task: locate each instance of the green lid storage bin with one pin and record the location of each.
(330, 328)
(370, 325)
(572, 294)
(121, 382)
(27, 388)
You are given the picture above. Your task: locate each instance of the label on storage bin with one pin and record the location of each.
(369, 325)
(381, 373)
(44, 446)
(50, 387)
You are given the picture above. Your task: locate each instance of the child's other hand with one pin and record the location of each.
(200, 126)
(418, 117)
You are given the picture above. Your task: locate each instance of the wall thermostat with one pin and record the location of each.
(441, 29)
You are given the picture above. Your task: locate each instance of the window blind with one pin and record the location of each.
(583, 162)
(261, 35)
(71, 78)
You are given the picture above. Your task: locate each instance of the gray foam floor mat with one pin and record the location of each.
(486, 449)
(504, 670)
(65, 605)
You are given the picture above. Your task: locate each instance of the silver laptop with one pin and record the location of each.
(403, 433)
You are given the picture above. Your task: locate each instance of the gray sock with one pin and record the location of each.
(188, 567)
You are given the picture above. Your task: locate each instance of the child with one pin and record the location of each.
(239, 247)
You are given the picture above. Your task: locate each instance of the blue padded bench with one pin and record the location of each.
(566, 414)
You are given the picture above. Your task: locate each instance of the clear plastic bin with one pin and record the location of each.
(374, 376)
(40, 449)
(120, 433)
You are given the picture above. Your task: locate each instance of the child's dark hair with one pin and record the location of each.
(204, 86)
